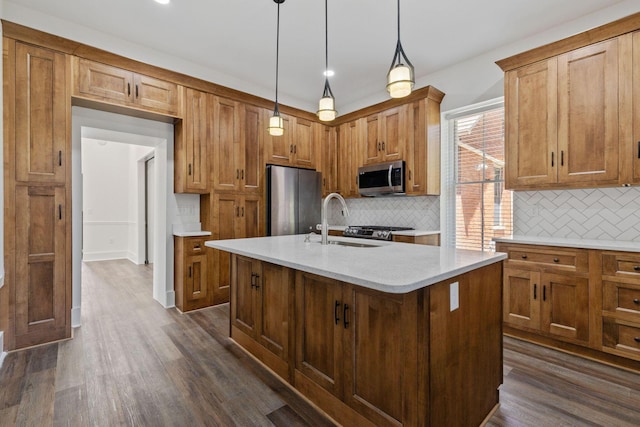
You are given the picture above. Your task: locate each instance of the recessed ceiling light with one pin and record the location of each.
(163, 1)
(328, 73)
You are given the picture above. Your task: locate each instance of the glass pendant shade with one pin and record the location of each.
(327, 109)
(400, 81)
(276, 125)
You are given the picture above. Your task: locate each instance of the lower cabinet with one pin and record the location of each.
(369, 358)
(261, 299)
(191, 279)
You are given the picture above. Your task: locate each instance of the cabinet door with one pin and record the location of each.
(348, 143)
(192, 137)
(379, 354)
(196, 289)
(372, 145)
(522, 294)
(244, 307)
(319, 326)
(393, 133)
(155, 94)
(635, 152)
(224, 227)
(565, 306)
(41, 287)
(250, 217)
(252, 167)
(40, 115)
(531, 95)
(274, 284)
(588, 84)
(226, 143)
(422, 151)
(279, 149)
(304, 143)
(104, 82)
(329, 160)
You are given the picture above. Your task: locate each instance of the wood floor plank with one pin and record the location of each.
(134, 363)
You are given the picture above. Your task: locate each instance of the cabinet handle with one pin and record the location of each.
(345, 317)
(378, 146)
(636, 267)
(409, 174)
(552, 159)
(242, 212)
(60, 158)
(60, 212)
(639, 149)
(524, 256)
(237, 173)
(335, 312)
(636, 301)
(637, 339)
(128, 89)
(556, 260)
(291, 148)
(544, 293)
(535, 291)
(237, 210)
(253, 284)
(196, 248)
(383, 146)
(136, 91)
(257, 277)
(189, 168)
(562, 158)
(189, 271)
(242, 174)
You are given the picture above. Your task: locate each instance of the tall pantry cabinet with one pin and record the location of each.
(36, 297)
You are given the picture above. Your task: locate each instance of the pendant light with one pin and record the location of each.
(327, 105)
(276, 124)
(400, 78)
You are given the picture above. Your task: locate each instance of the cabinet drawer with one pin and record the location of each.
(622, 298)
(621, 337)
(621, 264)
(194, 246)
(545, 256)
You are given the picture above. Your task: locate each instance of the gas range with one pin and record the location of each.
(377, 232)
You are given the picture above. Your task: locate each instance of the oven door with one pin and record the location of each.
(384, 178)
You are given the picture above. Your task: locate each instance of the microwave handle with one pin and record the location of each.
(389, 176)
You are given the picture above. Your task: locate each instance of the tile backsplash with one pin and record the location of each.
(421, 213)
(601, 214)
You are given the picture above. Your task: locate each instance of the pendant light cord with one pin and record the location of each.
(277, 55)
(398, 21)
(326, 38)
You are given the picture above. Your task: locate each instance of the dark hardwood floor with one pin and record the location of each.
(135, 363)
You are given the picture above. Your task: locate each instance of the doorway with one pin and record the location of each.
(105, 126)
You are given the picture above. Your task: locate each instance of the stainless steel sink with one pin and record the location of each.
(353, 244)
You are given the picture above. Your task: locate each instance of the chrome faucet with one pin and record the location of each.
(325, 226)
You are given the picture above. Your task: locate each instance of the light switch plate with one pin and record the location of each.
(454, 296)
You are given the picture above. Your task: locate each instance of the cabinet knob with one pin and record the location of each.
(637, 339)
(524, 256)
(556, 260)
(636, 267)
(636, 301)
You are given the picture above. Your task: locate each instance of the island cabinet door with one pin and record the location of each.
(318, 337)
(522, 294)
(243, 296)
(381, 356)
(274, 284)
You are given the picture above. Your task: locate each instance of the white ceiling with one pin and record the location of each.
(234, 40)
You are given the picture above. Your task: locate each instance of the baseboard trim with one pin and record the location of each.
(104, 256)
(75, 317)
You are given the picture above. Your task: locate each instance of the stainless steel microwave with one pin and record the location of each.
(381, 179)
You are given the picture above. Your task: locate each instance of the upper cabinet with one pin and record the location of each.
(40, 115)
(329, 150)
(110, 84)
(192, 135)
(297, 147)
(422, 153)
(570, 110)
(349, 137)
(385, 136)
(237, 146)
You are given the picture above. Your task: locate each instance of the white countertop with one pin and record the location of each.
(199, 233)
(391, 267)
(605, 245)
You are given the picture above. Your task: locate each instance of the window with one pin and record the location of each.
(479, 208)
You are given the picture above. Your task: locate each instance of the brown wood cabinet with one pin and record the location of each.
(428, 239)
(385, 136)
(631, 156)
(191, 144)
(546, 290)
(329, 168)
(621, 304)
(106, 83)
(297, 147)
(191, 278)
(422, 154)
(36, 196)
(261, 301)
(370, 358)
(349, 137)
(229, 216)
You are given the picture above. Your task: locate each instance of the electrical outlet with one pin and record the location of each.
(454, 296)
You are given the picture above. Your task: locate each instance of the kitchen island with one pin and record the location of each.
(374, 333)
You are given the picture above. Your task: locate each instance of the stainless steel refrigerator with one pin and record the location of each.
(294, 197)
